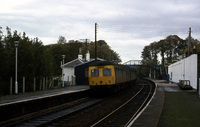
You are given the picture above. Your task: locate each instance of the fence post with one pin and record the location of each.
(23, 89)
(72, 81)
(47, 86)
(52, 82)
(10, 85)
(43, 83)
(68, 81)
(40, 84)
(34, 84)
(150, 73)
(199, 87)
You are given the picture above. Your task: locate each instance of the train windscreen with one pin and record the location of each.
(106, 72)
(95, 72)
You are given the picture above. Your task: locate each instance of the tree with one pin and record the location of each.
(169, 48)
(1, 31)
(61, 40)
(33, 60)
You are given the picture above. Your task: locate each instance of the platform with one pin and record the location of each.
(21, 97)
(15, 106)
(151, 115)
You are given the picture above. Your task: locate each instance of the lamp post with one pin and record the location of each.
(16, 83)
(63, 56)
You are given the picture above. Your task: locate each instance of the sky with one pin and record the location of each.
(126, 25)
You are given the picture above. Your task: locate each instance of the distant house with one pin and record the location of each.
(68, 69)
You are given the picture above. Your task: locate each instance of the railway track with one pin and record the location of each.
(125, 114)
(120, 109)
(52, 115)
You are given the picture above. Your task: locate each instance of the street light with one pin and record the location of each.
(16, 83)
(63, 56)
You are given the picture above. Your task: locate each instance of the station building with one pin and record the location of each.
(186, 69)
(68, 68)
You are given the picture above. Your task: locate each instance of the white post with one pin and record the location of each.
(40, 84)
(199, 87)
(73, 77)
(43, 83)
(150, 73)
(10, 85)
(23, 89)
(68, 80)
(47, 83)
(34, 84)
(52, 82)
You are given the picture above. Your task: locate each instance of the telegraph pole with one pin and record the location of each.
(96, 41)
(189, 41)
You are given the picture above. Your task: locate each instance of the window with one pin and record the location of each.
(95, 72)
(106, 72)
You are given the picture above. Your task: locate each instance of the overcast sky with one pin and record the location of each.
(126, 25)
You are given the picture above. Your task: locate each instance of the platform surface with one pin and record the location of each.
(5, 100)
(151, 115)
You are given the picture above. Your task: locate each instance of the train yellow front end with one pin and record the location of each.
(101, 75)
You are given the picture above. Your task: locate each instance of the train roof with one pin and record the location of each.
(104, 63)
(101, 63)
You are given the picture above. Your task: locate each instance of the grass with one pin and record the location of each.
(181, 109)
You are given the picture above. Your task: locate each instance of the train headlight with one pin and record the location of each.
(109, 81)
(92, 82)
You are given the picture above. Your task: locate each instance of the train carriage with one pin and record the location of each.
(106, 74)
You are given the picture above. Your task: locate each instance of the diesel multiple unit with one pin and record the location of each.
(107, 74)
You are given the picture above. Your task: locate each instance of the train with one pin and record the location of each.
(104, 74)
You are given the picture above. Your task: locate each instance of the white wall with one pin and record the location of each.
(68, 73)
(185, 69)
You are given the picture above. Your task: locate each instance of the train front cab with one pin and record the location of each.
(101, 76)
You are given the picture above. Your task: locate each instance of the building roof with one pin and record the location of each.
(91, 60)
(78, 61)
(73, 63)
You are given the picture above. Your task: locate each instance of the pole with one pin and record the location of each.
(189, 39)
(63, 56)
(16, 83)
(95, 41)
(86, 48)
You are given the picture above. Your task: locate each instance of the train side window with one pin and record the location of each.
(106, 72)
(95, 72)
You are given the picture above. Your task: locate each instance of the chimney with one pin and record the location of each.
(88, 56)
(80, 56)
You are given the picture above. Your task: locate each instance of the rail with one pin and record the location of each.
(145, 96)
